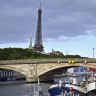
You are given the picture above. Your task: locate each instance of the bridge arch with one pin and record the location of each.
(23, 72)
(47, 70)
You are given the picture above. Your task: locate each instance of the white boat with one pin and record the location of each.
(84, 88)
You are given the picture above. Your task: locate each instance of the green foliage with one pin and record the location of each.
(19, 53)
(15, 53)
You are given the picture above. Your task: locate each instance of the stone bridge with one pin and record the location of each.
(45, 70)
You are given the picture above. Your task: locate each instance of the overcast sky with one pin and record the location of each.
(67, 25)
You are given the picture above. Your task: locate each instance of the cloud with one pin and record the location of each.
(61, 20)
(72, 19)
(58, 39)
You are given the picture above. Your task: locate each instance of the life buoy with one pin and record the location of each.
(86, 62)
(69, 62)
(58, 62)
(73, 62)
(71, 81)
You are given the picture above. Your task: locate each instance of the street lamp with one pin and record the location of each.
(93, 52)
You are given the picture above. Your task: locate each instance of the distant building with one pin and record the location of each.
(6, 74)
(56, 53)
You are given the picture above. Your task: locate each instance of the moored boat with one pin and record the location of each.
(87, 87)
(65, 89)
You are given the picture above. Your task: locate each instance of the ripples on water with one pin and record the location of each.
(19, 89)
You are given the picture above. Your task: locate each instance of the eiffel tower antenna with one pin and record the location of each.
(40, 5)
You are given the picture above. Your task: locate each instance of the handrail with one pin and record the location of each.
(41, 62)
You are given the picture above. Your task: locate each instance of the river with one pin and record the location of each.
(13, 88)
(20, 88)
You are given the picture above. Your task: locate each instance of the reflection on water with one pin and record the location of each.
(19, 89)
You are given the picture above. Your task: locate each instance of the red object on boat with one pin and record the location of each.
(71, 90)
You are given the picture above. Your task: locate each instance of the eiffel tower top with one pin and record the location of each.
(40, 10)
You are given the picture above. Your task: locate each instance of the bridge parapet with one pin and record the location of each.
(47, 62)
(44, 60)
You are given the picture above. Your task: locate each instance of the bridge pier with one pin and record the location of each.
(31, 79)
(42, 79)
(47, 79)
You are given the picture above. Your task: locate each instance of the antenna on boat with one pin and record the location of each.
(38, 80)
(30, 90)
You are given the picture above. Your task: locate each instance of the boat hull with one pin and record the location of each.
(91, 93)
(56, 90)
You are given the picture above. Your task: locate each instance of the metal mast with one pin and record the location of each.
(38, 46)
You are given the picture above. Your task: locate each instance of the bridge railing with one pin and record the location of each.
(42, 61)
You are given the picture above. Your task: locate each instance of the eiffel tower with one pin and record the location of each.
(38, 46)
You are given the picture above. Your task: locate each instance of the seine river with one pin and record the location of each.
(23, 89)
(20, 88)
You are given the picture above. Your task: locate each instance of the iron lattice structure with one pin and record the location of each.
(38, 46)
